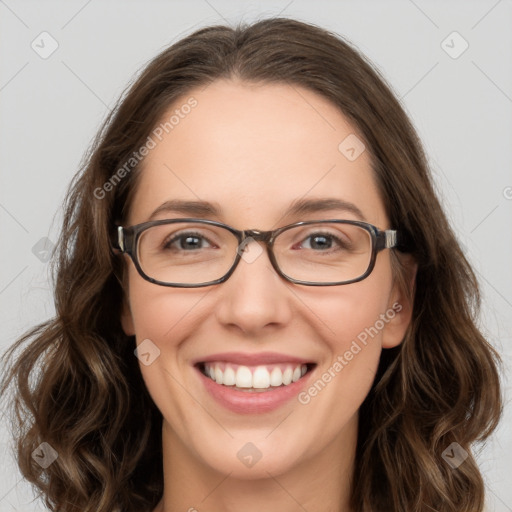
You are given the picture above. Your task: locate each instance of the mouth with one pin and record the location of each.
(254, 379)
(253, 383)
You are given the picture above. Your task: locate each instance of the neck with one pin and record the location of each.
(320, 483)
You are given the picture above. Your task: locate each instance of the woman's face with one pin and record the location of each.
(252, 151)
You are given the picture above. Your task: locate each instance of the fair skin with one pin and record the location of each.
(253, 149)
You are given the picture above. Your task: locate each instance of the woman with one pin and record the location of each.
(256, 223)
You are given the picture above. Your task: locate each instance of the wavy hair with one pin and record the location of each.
(76, 383)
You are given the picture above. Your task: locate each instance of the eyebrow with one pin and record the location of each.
(297, 208)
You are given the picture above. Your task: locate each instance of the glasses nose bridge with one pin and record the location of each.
(256, 235)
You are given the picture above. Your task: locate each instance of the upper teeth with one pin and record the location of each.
(258, 377)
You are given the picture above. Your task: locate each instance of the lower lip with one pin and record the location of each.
(256, 402)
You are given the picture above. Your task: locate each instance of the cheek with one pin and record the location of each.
(354, 312)
(163, 321)
(354, 319)
(162, 318)
(158, 311)
(353, 323)
(354, 341)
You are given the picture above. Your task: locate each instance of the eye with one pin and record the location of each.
(324, 241)
(185, 241)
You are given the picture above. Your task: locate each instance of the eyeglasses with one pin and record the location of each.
(189, 253)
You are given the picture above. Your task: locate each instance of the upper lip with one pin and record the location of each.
(254, 359)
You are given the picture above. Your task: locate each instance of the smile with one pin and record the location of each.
(253, 383)
(254, 378)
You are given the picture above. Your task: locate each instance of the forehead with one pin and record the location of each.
(254, 149)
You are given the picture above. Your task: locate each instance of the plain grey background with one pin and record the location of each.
(457, 88)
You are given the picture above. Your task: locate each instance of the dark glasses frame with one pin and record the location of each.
(128, 238)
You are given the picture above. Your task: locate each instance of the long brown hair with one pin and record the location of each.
(77, 385)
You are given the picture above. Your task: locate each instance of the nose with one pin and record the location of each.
(254, 297)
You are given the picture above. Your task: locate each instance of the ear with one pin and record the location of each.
(126, 312)
(401, 302)
(127, 319)
(127, 323)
